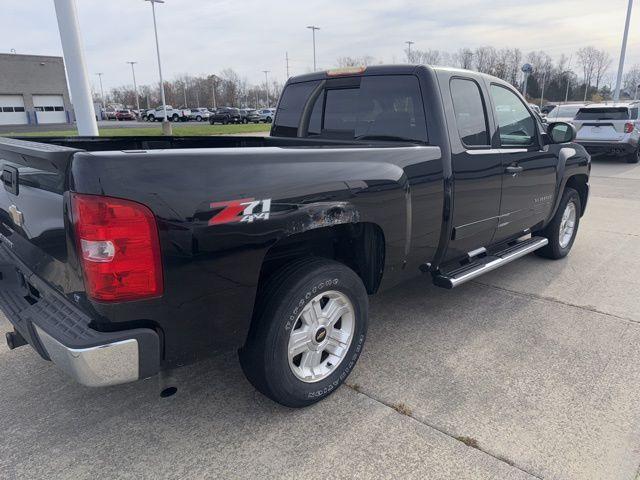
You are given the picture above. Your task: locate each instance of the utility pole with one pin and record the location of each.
(286, 57)
(135, 86)
(616, 93)
(313, 29)
(213, 92)
(566, 93)
(266, 84)
(104, 105)
(166, 126)
(544, 77)
(69, 28)
(184, 88)
(409, 43)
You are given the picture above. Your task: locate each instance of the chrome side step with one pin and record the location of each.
(485, 264)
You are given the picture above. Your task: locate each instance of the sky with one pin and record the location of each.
(249, 36)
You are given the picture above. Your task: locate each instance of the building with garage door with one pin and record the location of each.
(33, 90)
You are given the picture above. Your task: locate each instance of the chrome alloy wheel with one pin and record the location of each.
(321, 336)
(567, 224)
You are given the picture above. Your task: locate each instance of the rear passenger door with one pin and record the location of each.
(528, 167)
(477, 166)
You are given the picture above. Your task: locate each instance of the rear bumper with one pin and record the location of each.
(60, 332)
(619, 148)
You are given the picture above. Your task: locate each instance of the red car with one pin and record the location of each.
(125, 115)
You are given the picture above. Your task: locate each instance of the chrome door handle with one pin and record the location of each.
(514, 170)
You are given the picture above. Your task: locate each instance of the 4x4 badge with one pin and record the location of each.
(243, 210)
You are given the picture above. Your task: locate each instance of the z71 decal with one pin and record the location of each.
(244, 210)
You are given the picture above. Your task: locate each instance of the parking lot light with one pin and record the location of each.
(313, 29)
(104, 105)
(166, 126)
(266, 84)
(623, 49)
(135, 86)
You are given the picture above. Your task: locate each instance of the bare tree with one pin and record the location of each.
(355, 61)
(485, 59)
(602, 64)
(464, 58)
(587, 58)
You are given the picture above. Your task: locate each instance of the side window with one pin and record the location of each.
(633, 113)
(517, 126)
(471, 117)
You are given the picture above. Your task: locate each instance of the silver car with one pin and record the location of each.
(564, 113)
(610, 128)
(199, 114)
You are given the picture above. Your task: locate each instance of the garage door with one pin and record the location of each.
(49, 109)
(12, 110)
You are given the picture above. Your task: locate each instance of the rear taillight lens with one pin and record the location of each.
(628, 127)
(119, 248)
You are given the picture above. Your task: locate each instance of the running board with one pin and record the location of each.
(485, 264)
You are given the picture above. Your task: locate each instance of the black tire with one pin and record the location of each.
(198, 118)
(269, 120)
(151, 118)
(554, 249)
(225, 121)
(175, 117)
(264, 358)
(634, 157)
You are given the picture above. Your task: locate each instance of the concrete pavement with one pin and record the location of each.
(532, 371)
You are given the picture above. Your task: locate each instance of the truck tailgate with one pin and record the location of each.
(32, 218)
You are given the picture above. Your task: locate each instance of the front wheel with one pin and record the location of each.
(308, 332)
(198, 118)
(269, 120)
(563, 228)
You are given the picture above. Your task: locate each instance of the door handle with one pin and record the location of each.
(514, 170)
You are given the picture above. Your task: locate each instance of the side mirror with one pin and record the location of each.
(561, 132)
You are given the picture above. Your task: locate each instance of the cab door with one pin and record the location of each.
(528, 166)
(476, 163)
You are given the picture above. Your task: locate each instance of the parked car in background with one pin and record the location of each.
(564, 113)
(225, 115)
(545, 109)
(199, 114)
(173, 114)
(127, 264)
(125, 114)
(610, 129)
(266, 115)
(110, 113)
(245, 113)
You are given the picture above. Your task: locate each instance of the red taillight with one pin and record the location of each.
(628, 127)
(119, 248)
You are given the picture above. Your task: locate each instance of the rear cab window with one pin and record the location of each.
(470, 112)
(385, 107)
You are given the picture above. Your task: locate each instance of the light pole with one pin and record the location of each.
(184, 88)
(566, 93)
(104, 105)
(623, 49)
(286, 58)
(69, 28)
(409, 43)
(266, 84)
(313, 29)
(213, 92)
(544, 77)
(635, 95)
(166, 126)
(135, 85)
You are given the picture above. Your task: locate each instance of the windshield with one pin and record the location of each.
(565, 111)
(607, 113)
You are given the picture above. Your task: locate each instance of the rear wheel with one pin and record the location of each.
(563, 228)
(269, 120)
(151, 118)
(198, 118)
(175, 117)
(308, 332)
(634, 157)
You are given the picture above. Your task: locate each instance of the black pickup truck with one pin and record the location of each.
(124, 257)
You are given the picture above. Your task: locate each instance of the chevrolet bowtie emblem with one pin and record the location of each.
(16, 215)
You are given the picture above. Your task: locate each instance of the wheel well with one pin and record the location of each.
(579, 184)
(360, 246)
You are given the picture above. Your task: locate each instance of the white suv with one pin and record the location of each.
(612, 129)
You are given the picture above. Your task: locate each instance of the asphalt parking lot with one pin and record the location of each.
(532, 371)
